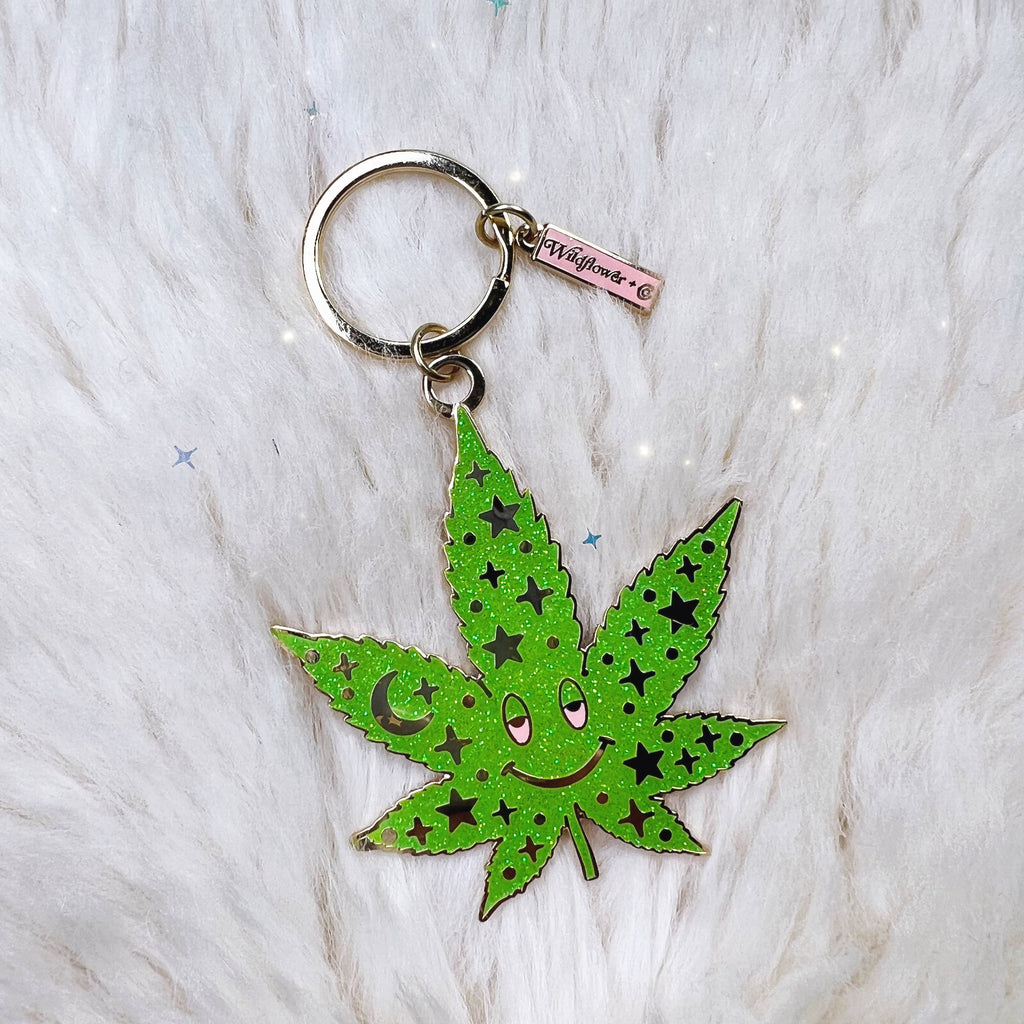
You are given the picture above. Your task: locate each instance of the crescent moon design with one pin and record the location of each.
(384, 713)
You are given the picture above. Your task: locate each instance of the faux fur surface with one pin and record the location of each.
(833, 192)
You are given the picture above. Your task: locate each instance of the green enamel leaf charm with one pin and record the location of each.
(548, 733)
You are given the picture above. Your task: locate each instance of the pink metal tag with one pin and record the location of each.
(592, 265)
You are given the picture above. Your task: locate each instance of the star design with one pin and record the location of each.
(592, 539)
(504, 811)
(426, 689)
(534, 594)
(707, 737)
(504, 647)
(501, 516)
(346, 667)
(635, 677)
(688, 760)
(680, 612)
(645, 763)
(452, 744)
(531, 848)
(636, 818)
(419, 831)
(185, 458)
(689, 569)
(458, 810)
(636, 631)
(477, 473)
(492, 575)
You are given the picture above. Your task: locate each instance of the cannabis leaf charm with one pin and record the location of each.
(548, 733)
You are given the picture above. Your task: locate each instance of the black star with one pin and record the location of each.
(689, 569)
(504, 647)
(477, 474)
(680, 612)
(534, 594)
(501, 517)
(636, 631)
(531, 848)
(492, 575)
(707, 737)
(645, 763)
(635, 677)
(504, 811)
(636, 818)
(419, 831)
(688, 760)
(426, 690)
(458, 810)
(452, 744)
(346, 666)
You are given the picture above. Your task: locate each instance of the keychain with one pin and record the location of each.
(548, 731)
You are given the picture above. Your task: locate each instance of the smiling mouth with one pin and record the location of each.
(562, 780)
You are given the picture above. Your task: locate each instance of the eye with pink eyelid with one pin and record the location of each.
(517, 719)
(573, 703)
(519, 729)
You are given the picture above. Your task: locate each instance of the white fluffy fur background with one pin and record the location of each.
(834, 195)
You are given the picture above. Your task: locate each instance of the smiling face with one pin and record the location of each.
(553, 746)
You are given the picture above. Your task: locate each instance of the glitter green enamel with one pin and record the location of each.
(512, 597)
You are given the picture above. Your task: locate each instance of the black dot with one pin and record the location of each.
(476, 606)
(667, 737)
(628, 708)
(468, 701)
(482, 776)
(552, 642)
(509, 873)
(539, 819)
(607, 658)
(469, 538)
(707, 547)
(736, 739)
(649, 595)
(526, 547)
(671, 654)
(602, 798)
(664, 835)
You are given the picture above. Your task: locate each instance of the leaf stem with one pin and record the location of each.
(583, 850)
